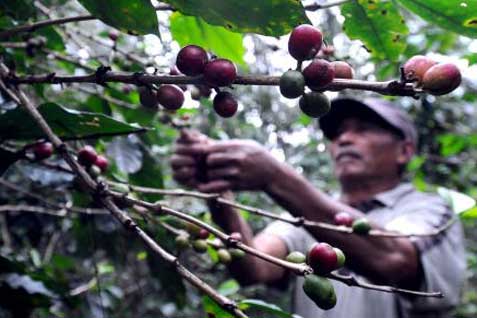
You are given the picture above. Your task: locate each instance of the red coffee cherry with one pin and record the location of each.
(305, 42)
(220, 72)
(318, 74)
(441, 79)
(191, 60)
(343, 218)
(322, 258)
(147, 98)
(170, 96)
(342, 70)
(203, 234)
(416, 67)
(102, 163)
(42, 150)
(87, 156)
(225, 104)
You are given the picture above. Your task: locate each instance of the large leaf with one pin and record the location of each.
(7, 158)
(378, 24)
(17, 124)
(455, 15)
(272, 17)
(194, 30)
(263, 306)
(20, 10)
(132, 16)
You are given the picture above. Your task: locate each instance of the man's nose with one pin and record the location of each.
(346, 137)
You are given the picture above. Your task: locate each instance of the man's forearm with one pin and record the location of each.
(374, 257)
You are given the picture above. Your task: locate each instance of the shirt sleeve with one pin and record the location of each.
(442, 257)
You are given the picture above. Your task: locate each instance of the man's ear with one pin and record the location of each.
(406, 152)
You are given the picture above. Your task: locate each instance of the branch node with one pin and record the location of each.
(100, 74)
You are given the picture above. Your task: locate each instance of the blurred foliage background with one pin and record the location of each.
(80, 265)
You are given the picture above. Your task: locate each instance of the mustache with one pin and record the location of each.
(347, 152)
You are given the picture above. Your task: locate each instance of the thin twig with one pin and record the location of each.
(297, 221)
(386, 88)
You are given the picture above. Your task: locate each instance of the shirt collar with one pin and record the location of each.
(390, 197)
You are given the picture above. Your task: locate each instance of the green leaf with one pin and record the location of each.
(260, 304)
(131, 16)
(17, 124)
(54, 40)
(272, 17)
(7, 158)
(20, 10)
(211, 307)
(454, 15)
(378, 24)
(150, 175)
(229, 287)
(193, 30)
(459, 202)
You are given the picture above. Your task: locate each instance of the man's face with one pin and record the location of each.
(363, 150)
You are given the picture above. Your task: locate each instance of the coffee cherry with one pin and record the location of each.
(148, 98)
(416, 67)
(224, 256)
(200, 246)
(182, 241)
(102, 163)
(43, 150)
(322, 258)
(113, 35)
(441, 79)
(192, 229)
(220, 72)
(361, 226)
(170, 96)
(292, 84)
(305, 42)
(296, 257)
(236, 253)
(94, 171)
(200, 91)
(314, 104)
(328, 50)
(225, 104)
(320, 290)
(343, 218)
(342, 70)
(191, 60)
(318, 74)
(340, 256)
(87, 156)
(175, 71)
(203, 234)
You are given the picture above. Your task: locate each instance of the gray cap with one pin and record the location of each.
(370, 109)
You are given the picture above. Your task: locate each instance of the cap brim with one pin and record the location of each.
(343, 108)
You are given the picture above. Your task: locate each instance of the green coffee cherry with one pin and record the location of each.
(236, 253)
(320, 290)
(182, 241)
(224, 256)
(296, 257)
(292, 84)
(94, 171)
(200, 246)
(361, 226)
(314, 104)
(340, 256)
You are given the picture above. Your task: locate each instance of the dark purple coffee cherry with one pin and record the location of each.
(220, 72)
(318, 74)
(305, 42)
(43, 150)
(225, 104)
(87, 156)
(170, 96)
(191, 60)
(147, 98)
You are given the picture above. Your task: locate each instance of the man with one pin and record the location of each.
(370, 144)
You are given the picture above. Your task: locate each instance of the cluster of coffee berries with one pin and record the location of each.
(89, 158)
(193, 60)
(323, 259)
(42, 150)
(434, 78)
(198, 238)
(168, 96)
(304, 43)
(359, 226)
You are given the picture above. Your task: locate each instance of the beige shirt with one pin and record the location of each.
(442, 258)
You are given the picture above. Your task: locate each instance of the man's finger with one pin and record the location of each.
(178, 161)
(215, 186)
(219, 159)
(191, 149)
(223, 173)
(184, 173)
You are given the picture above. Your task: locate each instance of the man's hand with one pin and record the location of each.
(238, 165)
